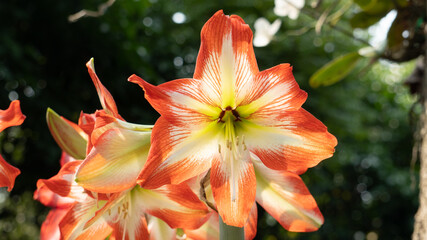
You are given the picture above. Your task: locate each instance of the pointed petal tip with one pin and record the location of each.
(91, 64)
(135, 79)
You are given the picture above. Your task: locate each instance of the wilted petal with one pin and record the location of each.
(287, 199)
(12, 116)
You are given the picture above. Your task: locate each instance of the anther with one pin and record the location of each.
(236, 115)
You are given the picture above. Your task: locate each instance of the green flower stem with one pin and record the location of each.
(227, 232)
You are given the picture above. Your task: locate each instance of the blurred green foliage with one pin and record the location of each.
(364, 191)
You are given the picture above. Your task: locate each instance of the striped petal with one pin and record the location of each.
(233, 184)
(187, 105)
(272, 92)
(226, 60)
(12, 116)
(284, 195)
(178, 154)
(8, 173)
(294, 142)
(50, 199)
(63, 183)
(107, 101)
(125, 214)
(115, 160)
(177, 205)
(72, 224)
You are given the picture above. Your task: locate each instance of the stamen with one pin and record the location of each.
(219, 148)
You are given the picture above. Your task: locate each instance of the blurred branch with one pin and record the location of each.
(88, 13)
(315, 16)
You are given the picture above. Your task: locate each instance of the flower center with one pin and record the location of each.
(228, 110)
(232, 148)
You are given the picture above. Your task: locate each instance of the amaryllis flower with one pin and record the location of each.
(12, 116)
(225, 116)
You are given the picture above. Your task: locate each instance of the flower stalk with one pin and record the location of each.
(227, 232)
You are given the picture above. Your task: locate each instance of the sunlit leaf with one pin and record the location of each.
(335, 70)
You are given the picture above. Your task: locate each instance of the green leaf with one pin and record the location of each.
(335, 70)
(70, 138)
(364, 20)
(375, 7)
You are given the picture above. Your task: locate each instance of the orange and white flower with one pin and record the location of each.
(226, 116)
(95, 194)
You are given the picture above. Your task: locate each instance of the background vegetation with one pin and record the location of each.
(368, 190)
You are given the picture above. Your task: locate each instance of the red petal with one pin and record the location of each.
(177, 205)
(50, 199)
(226, 59)
(176, 154)
(107, 101)
(233, 189)
(287, 199)
(11, 116)
(251, 223)
(294, 142)
(209, 230)
(8, 174)
(87, 124)
(50, 227)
